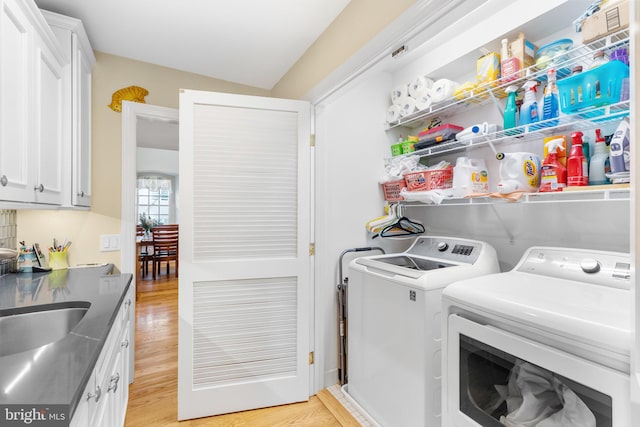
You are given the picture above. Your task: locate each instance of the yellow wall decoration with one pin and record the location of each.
(131, 93)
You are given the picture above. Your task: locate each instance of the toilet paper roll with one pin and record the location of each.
(443, 89)
(400, 92)
(423, 100)
(407, 106)
(393, 113)
(419, 85)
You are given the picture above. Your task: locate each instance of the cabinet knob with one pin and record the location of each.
(95, 395)
(3, 180)
(127, 303)
(81, 194)
(39, 188)
(125, 344)
(114, 382)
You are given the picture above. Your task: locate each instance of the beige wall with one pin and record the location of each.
(359, 22)
(84, 228)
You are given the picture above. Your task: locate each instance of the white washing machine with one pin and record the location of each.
(548, 341)
(394, 326)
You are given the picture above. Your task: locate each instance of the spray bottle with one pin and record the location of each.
(599, 166)
(553, 174)
(577, 169)
(511, 109)
(529, 110)
(551, 105)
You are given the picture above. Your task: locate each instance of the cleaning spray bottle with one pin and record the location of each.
(577, 169)
(599, 166)
(529, 110)
(553, 174)
(550, 103)
(511, 109)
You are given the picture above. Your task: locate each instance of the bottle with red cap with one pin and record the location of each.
(577, 167)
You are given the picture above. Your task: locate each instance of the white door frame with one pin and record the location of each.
(131, 112)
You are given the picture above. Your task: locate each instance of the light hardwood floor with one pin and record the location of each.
(153, 394)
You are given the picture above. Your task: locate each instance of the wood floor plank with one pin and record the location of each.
(153, 399)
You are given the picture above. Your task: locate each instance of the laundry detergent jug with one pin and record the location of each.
(470, 176)
(518, 172)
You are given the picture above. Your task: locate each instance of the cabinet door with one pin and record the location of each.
(49, 142)
(81, 180)
(15, 87)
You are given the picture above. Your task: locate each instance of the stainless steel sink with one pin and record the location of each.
(23, 329)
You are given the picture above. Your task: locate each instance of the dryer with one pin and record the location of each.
(394, 326)
(548, 341)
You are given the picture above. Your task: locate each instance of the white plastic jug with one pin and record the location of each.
(470, 176)
(518, 171)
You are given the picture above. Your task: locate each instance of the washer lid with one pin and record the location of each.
(593, 314)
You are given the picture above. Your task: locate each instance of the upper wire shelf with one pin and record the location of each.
(489, 92)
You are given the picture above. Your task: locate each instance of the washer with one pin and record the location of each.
(394, 326)
(562, 318)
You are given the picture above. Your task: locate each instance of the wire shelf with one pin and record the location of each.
(491, 92)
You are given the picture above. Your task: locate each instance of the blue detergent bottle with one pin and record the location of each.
(529, 110)
(550, 102)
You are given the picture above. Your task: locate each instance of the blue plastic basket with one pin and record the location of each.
(594, 88)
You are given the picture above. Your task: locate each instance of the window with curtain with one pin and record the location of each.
(154, 198)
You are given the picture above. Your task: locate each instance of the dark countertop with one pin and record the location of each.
(56, 374)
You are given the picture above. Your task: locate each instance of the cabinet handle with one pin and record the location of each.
(95, 395)
(114, 382)
(39, 188)
(125, 344)
(4, 181)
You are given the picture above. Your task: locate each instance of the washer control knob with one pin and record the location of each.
(590, 265)
(442, 246)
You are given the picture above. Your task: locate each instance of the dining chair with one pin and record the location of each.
(165, 246)
(144, 255)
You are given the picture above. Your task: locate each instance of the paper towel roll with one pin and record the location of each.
(423, 100)
(443, 89)
(399, 93)
(407, 106)
(419, 85)
(393, 113)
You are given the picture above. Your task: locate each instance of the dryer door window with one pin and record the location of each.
(493, 374)
(496, 386)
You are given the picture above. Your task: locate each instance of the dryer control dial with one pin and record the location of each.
(443, 246)
(590, 265)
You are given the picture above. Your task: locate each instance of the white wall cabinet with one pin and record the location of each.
(31, 77)
(77, 109)
(104, 400)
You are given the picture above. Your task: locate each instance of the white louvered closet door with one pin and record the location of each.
(245, 269)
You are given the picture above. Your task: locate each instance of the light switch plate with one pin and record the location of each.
(109, 242)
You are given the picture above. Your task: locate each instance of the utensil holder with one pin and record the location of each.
(58, 260)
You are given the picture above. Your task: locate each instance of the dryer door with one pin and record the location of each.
(493, 375)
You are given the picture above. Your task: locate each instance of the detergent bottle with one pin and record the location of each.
(550, 101)
(577, 169)
(511, 109)
(518, 171)
(553, 175)
(599, 166)
(529, 110)
(470, 176)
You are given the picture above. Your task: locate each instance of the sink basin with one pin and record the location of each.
(27, 328)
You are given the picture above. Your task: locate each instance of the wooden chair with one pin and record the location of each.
(165, 246)
(144, 256)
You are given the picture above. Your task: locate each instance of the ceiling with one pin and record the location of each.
(251, 42)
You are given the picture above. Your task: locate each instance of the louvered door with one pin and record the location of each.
(244, 284)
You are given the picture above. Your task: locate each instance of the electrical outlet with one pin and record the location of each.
(109, 242)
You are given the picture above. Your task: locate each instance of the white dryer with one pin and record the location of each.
(548, 341)
(394, 326)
